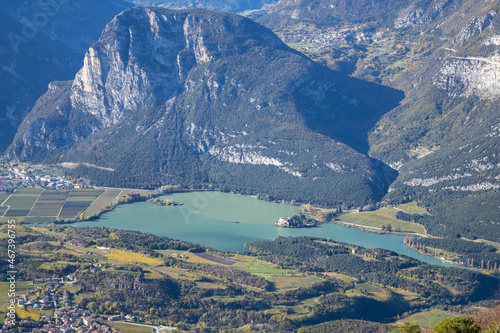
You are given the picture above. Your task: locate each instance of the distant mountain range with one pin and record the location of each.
(234, 6)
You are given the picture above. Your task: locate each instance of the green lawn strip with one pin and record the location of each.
(18, 219)
(39, 219)
(29, 190)
(294, 282)
(169, 253)
(85, 192)
(81, 295)
(70, 289)
(130, 328)
(259, 267)
(497, 245)
(429, 318)
(54, 195)
(382, 216)
(412, 208)
(119, 271)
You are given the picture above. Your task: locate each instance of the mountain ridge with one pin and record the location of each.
(200, 81)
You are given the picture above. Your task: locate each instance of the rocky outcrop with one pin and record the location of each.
(419, 16)
(470, 76)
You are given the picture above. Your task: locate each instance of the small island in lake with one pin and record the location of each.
(165, 202)
(296, 221)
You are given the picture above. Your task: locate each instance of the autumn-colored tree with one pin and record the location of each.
(488, 318)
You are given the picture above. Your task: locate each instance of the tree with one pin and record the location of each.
(493, 329)
(408, 328)
(462, 324)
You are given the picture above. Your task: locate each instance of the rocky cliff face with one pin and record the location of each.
(41, 42)
(470, 76)
(201, 97)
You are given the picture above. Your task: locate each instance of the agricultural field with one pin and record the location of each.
(258, 267)
(106, 199)
(37, 205)
(385, 216)
(372, 291)
(169, 253)
(21, 202)
(49, 204)
(131, 328)
(78, 201)
(131, 257)
(429, 318)
(294, 282)
(3, 196)
(21, 287)
(411, 208)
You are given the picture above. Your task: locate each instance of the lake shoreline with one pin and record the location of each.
(207, 218)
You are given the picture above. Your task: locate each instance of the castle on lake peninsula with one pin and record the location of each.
(283, 222)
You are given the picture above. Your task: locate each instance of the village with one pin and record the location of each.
(50, 294)
(323, 38)
(13, 176)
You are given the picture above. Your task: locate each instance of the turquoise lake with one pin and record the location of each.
(208, 218)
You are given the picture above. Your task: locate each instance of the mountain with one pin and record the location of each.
(234, 6)
(199, 97)
(443, 137)
(41, 42)
(331, 12)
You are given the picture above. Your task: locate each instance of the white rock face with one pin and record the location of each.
(434, 180)
(155, 63)
(243, 154)
(474, 28)
(336, 167)
(248, 154)
(474, 187)
(470, 76)
(493, 40)
(420, 16)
